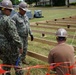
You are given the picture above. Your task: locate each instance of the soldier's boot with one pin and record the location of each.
(19, 72)
(25, 62)
(6, 74)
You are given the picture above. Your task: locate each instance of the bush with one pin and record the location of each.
(58, 2)
(74, 3)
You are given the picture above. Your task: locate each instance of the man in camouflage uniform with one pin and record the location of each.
(23, 27)
(10, 42)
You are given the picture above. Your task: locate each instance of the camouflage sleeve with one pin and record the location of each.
(14, 18)
(12, 31)
(30, 32)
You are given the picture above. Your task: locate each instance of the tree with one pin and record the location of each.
(15, 2)
(36, 2)
(0, 0)
(58, 2)
(67, 3)
(32, 1)
(51, 2)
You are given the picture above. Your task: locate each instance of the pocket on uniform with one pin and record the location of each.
(20, 21)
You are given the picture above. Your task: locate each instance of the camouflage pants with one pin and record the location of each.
(10, 55)
(12, 61)
(10, 58)
(25, 45)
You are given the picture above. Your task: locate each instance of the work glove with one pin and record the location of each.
(32, 38)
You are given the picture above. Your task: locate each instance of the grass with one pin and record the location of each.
(49, 13)
(53, 13)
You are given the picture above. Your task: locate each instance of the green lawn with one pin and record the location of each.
(53, 13)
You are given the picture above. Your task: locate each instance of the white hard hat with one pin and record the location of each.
(7, 4)
(23, 6)
(61, 32)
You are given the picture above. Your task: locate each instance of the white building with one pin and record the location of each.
(71, 1)
(44, 2)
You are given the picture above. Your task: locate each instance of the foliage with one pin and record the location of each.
(0, 0)
(32, 1)
(73, 3)
(59, 2)
(15, 2)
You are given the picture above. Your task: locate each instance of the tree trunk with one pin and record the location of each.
(51, 2)
(67, 3)
(36, 2)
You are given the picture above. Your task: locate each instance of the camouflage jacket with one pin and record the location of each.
(8, 34)
(22, 24)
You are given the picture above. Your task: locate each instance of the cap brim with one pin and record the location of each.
(25, 9)
(6, 7)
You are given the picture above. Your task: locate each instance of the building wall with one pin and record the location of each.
(71, 1)
(43, 2)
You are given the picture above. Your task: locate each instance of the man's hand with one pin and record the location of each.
(32, 38)
(21, 51)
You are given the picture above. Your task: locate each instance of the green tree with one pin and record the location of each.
(36, 2)
(51, 2)
(0, 0)
(58, 2)
(15, 2)
(32, 1)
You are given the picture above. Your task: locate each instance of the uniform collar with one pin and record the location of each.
(21, 15)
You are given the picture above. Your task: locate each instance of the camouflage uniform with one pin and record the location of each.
(10, 42)
(23, 27)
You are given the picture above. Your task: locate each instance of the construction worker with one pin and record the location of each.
(23, 27)
(62, 53)
(10, 43)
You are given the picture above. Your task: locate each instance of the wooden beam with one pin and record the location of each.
(45, 41)
(69, 19)
(55, 24)
(62, 21)
(37, 56)
(49, 42)
(51, 27)
(50, 33)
